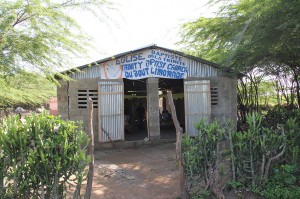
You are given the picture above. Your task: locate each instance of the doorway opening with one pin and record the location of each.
(167, 128)
(135, 107)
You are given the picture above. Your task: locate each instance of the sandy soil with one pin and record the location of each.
(144, 173)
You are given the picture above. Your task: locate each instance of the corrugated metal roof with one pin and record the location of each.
(197, 67)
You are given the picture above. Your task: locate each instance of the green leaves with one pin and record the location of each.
(25, 89)
(39, 37)
(35, 155)
(283, 184)
(253, 153)
(201, 154)
(246, 34)
(38, 34)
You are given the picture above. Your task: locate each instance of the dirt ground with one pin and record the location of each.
(143, 173)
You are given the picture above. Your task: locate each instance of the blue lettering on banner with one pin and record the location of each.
(166, 56)
(177, 68)
(151, 63)
(132, 66)
(167, 65)
(128, 75)
(167, 73)
(141, 73)
(130, 58)
(155, 63)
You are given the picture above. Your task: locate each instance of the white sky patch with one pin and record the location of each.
(139, 23)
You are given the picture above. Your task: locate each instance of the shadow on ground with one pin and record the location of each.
(146, 173)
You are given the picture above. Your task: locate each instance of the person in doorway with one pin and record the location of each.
(140, 112)
(126, 118)
(165, 116)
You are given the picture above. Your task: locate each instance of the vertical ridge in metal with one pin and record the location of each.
(110, 110)
(199, 69)
(197, 103)
(86, 73)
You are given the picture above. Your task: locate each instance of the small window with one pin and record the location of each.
(83, 95)
(214, 95)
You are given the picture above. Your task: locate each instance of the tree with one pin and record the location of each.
(40, 36)
(249, 34)
(25, 89)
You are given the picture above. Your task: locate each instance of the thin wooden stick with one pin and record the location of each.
(89, 184)
(179, 131)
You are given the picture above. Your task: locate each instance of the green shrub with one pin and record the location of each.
(252, 153)
(201, 156)
(290, 120)
(201, 150)
(292, 131)
(282, 184)
(234, 184)
(256, 150)
(284, 175)
(201, 194)
(41, 157)
(279, 115)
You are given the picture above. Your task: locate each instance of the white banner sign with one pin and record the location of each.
(149, 63)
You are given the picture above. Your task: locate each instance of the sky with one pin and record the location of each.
(138, 23)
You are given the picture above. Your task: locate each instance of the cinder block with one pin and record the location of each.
(154, 137)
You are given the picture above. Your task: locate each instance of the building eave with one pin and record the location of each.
(152, 46)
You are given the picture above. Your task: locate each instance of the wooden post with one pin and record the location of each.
(89, 184)
(179, 132)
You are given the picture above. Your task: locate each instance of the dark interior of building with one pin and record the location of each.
(135, 95)
(167, 128)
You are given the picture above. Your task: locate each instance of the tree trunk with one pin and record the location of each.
(89, 184)
(297, 86)
(232, 155)
(179, 131)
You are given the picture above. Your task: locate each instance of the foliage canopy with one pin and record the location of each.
(247, 33)
(250, 34)
(40, 36)
(25, 89)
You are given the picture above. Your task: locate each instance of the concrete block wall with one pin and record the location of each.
(67, 95)
(153, 108)
(62, 99)
(227, 98)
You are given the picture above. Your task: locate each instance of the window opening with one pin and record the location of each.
(83, 95)
(214, 95)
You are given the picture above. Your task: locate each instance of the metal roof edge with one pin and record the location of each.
(107, 59)
(191, 57)
(151, 46)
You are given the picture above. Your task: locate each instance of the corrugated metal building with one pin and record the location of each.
(119, 84)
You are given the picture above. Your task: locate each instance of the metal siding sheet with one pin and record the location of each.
(198, 69)
(111, 109)
(192, 119)
(87, 73)
(197, 103)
